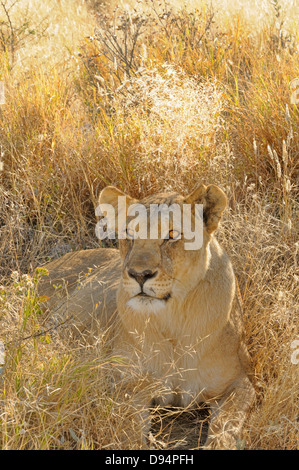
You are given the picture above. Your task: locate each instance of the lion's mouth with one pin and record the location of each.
(146, 296)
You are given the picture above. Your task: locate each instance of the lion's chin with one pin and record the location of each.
(147, 304)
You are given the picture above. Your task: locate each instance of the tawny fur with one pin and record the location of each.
(186, 332)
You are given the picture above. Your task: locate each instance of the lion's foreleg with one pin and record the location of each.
(229, 414)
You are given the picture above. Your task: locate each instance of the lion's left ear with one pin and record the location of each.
(214, 202)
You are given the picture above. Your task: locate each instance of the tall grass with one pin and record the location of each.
(158, 97)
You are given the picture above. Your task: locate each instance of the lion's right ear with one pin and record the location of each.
(110, 195)
(119, 201)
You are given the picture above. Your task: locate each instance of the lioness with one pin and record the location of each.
(176, 307)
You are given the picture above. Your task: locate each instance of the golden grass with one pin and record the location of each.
(202, 101)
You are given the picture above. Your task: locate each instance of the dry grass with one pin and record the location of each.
(199, 96)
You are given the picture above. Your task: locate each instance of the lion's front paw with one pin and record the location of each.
(225, 441)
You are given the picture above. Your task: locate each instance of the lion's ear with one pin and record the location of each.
(214, 202)
(110, 195)
(118, 200)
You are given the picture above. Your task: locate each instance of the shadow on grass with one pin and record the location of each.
(178, 428)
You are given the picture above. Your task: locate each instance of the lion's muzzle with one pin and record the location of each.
(143, 276)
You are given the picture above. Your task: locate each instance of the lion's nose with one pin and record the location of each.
(142, 277)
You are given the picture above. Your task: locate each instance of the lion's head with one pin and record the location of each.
(159, 271)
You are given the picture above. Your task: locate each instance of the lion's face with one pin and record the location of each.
(158, 272)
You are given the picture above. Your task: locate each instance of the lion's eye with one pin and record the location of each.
(174, 235)
(130, 233)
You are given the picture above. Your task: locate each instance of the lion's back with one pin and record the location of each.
(82, 285)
